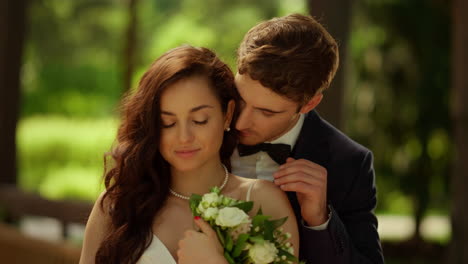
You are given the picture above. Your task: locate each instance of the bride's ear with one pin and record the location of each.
(229, 114)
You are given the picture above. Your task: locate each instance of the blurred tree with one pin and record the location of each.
(13, 15)
(401, 100)
(82, 54)
(221, 27)
(459, 245)
(74, 69)
(335, 15)
(130, 45)
(73, 57)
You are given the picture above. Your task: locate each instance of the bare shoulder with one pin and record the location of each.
(101, 214)
(260, 189)
(100, 208)
(267, 190)
(96, 229)
(239, 186)
(270, 198)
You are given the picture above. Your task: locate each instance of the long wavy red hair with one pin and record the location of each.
(137, 184)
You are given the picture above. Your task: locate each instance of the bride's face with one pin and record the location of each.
(193, 123)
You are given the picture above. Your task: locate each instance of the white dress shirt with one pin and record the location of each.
(261, 166)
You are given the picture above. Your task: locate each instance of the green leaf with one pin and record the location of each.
(289, 256)
(229, 258)
(278, 222)
(244, 206)
(268, 230)
(229, 242)
(245, 257)
(215, 189)
(240, 244)
(256, 239)
(259, 219)
(259, 212)
(220, 235)
(195, 199)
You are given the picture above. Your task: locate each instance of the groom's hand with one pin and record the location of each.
(309, 181)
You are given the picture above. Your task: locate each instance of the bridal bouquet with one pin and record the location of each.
(246, 240)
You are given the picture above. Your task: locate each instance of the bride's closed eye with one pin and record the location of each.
(168, 125)
(200, 122)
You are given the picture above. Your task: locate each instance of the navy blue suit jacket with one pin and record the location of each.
(351, 236)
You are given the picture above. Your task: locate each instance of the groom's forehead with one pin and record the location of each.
(267, 102)
(253, 91)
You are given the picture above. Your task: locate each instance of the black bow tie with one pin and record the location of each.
(277, 152)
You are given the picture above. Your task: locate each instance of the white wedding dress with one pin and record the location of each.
(157, 252)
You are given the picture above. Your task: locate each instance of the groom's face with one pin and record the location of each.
(265, 115)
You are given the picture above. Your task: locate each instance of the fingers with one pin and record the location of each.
(301, 177)
(299, 187)
(305, 171)
(189, 235)
(301, 166)
(204, 226)
(290, 162)
(301, 183)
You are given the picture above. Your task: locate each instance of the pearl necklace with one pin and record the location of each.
(226, 177)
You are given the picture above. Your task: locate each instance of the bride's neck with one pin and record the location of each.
(198, 180)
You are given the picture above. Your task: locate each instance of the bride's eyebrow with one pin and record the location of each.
(195, 109)
(200, 108)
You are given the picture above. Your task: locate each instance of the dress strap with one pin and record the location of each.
(247, 197)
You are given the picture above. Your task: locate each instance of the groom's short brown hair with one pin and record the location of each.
(292, 55)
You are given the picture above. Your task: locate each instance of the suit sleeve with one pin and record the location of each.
(351, 236)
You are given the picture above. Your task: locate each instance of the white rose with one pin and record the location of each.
(210, 213)
(231, 217)
(240, 229)
(201, 208)
(263, 253)
(210, 199)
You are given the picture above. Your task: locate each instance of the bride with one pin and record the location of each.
(174, 140)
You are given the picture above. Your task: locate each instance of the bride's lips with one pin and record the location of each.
(186, 153)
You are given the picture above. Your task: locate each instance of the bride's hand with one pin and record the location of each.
(200, 247)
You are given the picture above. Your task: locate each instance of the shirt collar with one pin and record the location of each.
(291, 136)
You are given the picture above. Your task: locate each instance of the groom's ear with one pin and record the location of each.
(313, 102)
(229, 114)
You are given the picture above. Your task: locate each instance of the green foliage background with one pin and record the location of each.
(397, 98)
(72, 76)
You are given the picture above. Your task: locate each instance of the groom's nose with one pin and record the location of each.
(245, 119)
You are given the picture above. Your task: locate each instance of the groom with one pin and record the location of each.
(284, 65)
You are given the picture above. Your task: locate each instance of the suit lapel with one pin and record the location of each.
(312, 143)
